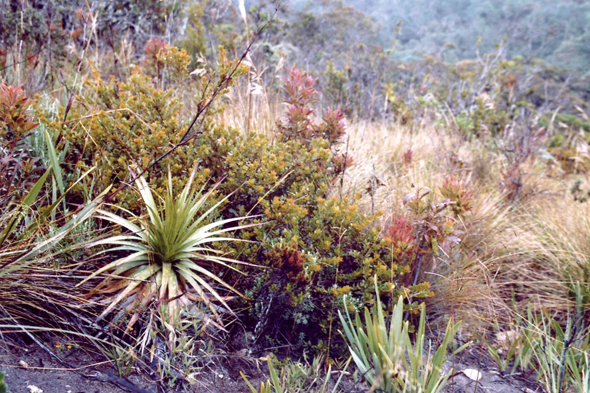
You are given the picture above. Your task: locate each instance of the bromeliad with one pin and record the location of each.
(169, 254)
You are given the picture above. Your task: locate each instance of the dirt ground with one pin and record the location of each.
(491, 380)
(33, 370)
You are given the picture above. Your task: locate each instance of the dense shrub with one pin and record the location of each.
(118, 125)
(314, 249)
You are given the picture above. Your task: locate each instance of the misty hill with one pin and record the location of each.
(555, 31)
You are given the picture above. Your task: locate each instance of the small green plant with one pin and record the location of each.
(561, 363)
(169, 254)
(297, 377)
(518, 344)
(559, 356)
(385, 355)
(519, 353)
(3, 387)
(579, 368)
(550, 346)
(510, 355)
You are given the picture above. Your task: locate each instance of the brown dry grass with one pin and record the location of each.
(511, 253)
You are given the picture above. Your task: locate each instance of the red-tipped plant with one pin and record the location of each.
(298, 123)
(15, 123)
(455, 191)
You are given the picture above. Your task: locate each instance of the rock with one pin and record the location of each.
(472, 374)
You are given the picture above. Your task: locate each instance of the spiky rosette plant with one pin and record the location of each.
(169, 254)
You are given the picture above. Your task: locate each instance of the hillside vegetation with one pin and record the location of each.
(186, 183)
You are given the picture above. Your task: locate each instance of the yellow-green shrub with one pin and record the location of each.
(116, 126)
(315, 248)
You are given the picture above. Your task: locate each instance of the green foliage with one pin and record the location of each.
(510, 355)
(559, 352)
(195, 42)
(579, 369)
(330, 30)
(36, 24)
(25, 218)
(572, 122)
(561, 355)
(12, 223)
(31, 241)
(385, 355)
(541, 28)
(339, 90)
(41, 37)
(295, 377)
(123, 16)
(317, 247)
(397, 106)
(168, 254)
(520, 349)
(3, 387)
(147, 120)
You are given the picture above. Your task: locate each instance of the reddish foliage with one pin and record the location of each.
(298, 87)
(407, 157)
(15, 123)
(401, 235)
(290, 261)
(334, 125)
(152, 49)
(19, 169)
(298, 125)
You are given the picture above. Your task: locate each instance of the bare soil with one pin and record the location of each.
(31, 369)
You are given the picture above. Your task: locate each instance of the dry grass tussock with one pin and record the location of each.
(551, 253)
(402, 159)
(512, 252)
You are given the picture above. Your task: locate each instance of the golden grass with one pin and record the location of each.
(382, 151)
(521, 251)
(554, 252)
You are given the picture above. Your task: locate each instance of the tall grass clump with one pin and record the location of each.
(550, 257)
(40, 239)
(387, 357)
